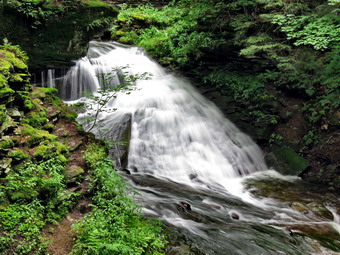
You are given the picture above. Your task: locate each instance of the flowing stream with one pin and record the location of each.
(192, 167)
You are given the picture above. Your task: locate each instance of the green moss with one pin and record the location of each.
(38, 104)
(36, 119)
(35, 136)
(9, 61)
(18, 154)
(19, 78)
(7, 142)
(2, 113)
(49, 149)
(57, 102)
(62, 158)
(95, 3)
(25, 100)
(293, 162)
(43, 92)
(43, 151)
(4, 64)
(3, 81)
(38, 93)
(16, 78)
(70, 115)
(48, 127)
(6, 92)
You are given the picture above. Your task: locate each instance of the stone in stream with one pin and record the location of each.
(234, 216)
(185, 205)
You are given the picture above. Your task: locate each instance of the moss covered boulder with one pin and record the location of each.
(286, 161)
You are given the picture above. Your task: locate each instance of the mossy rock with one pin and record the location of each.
(9, 60)
(73, 173)
(34, 136)
(3, 114)
(48, 127)
(3, 81)
(69, 115)
(18, 154)
(36, 118)
(6, 144)
(286, 161)
(6, 92)
(43, 92)
(24, 101)
(14, 113)
(49, 149)
(7, 124)
(5, 165)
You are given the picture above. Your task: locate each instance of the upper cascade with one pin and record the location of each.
(175, 132)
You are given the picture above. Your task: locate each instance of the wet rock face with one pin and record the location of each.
(120, 135)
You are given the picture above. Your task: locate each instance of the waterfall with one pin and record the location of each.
(189, 162)
(175, 132)
(48, 78)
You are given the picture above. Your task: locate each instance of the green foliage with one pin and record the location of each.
(115, 225)
(100, 23)
(242, 86)
(170, 34)
(319, 32)
(36, 194)
(34, 10)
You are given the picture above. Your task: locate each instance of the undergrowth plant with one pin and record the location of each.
(31, 196)
(115, 224)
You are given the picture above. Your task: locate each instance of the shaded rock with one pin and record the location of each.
(119, 135)
(52, 112)
(185, 205)
(5, 165)
(234, 216)
(14, 113)
(286, 161)
(329, 175)
(73, 173)
(8, 124)
(73, 142)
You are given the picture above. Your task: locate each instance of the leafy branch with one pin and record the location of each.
(98, 102)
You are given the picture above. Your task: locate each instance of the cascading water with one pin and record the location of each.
(175, 133)
(186, 159)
